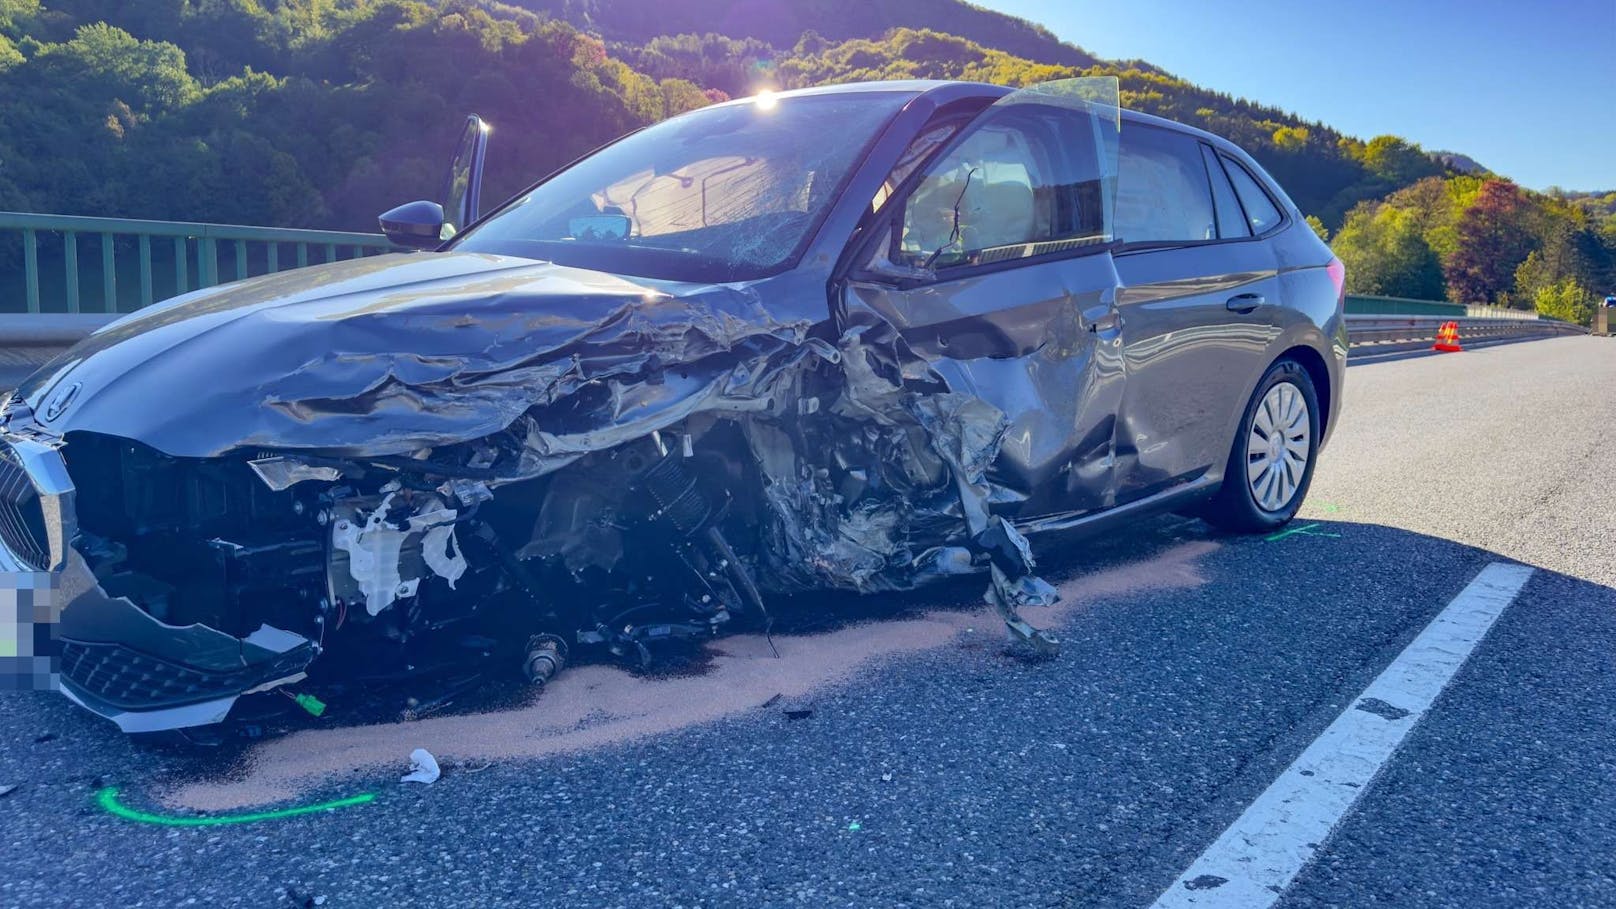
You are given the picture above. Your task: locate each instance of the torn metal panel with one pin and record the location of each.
(387, 355)
(281, 472)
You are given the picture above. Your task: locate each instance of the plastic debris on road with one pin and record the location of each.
(423, 768)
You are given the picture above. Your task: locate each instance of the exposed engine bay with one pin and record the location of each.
(391, 565)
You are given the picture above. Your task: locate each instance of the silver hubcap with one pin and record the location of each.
(1278, 447)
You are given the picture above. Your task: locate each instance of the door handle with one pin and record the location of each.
(1244, 302)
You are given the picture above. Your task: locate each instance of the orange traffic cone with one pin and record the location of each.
(1447, 338)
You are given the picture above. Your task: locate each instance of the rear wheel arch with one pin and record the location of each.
(1314, 363)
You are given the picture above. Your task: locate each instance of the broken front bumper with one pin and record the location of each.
(108, 654)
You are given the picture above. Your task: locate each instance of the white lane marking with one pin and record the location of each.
(1256, 858)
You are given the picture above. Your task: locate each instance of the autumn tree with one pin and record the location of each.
(1494, 238)
(1565, 300)
(1385, 255)
(1397, 161)
(1435, 205)
(16, 14)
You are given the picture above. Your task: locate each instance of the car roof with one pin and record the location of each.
(908, 86)
(959, 89)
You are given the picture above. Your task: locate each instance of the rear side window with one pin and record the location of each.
(1231, 219)
(1162, 189)
(1261, 212)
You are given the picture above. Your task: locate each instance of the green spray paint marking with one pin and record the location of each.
(1305, 530)
(108, 800)
(1287, 532)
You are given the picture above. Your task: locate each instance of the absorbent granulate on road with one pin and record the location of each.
(598, 705)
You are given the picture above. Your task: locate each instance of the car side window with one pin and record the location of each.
(1231, 219)
(1162, 190)
(1261, 211)
(1022, 183)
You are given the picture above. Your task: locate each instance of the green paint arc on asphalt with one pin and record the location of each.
(1306, 530)
(1292, 530)
(108, 800)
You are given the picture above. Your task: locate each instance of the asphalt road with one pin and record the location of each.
(1196, 667)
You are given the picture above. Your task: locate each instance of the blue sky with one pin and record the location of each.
(1527, 88)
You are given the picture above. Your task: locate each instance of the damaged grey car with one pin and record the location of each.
(856, 338)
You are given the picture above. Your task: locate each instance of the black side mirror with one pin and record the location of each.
(417, 225)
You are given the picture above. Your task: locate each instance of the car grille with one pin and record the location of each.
(132, 680)
(22, 516)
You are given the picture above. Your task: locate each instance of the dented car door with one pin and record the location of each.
(995, 271)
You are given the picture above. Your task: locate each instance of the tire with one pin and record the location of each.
(1265, 482)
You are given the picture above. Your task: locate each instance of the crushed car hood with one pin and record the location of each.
(392, 354)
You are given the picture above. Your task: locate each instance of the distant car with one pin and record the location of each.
(860, 337)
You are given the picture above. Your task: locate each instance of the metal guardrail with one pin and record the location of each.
(1387, 333)
(1474, 311)
(257, 250)
(1370, 305)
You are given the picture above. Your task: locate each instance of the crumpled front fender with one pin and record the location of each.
(386, 356)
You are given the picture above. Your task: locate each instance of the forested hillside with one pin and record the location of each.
(1325, 172)
(1475, 238)
(781, 23)
(311, 113)
(321, 113)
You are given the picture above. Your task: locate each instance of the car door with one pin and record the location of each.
(1197, 306)
(994, 269)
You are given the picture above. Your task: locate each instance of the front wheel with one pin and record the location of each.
(1271, 462)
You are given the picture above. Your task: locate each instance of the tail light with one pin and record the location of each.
(1338, 275)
